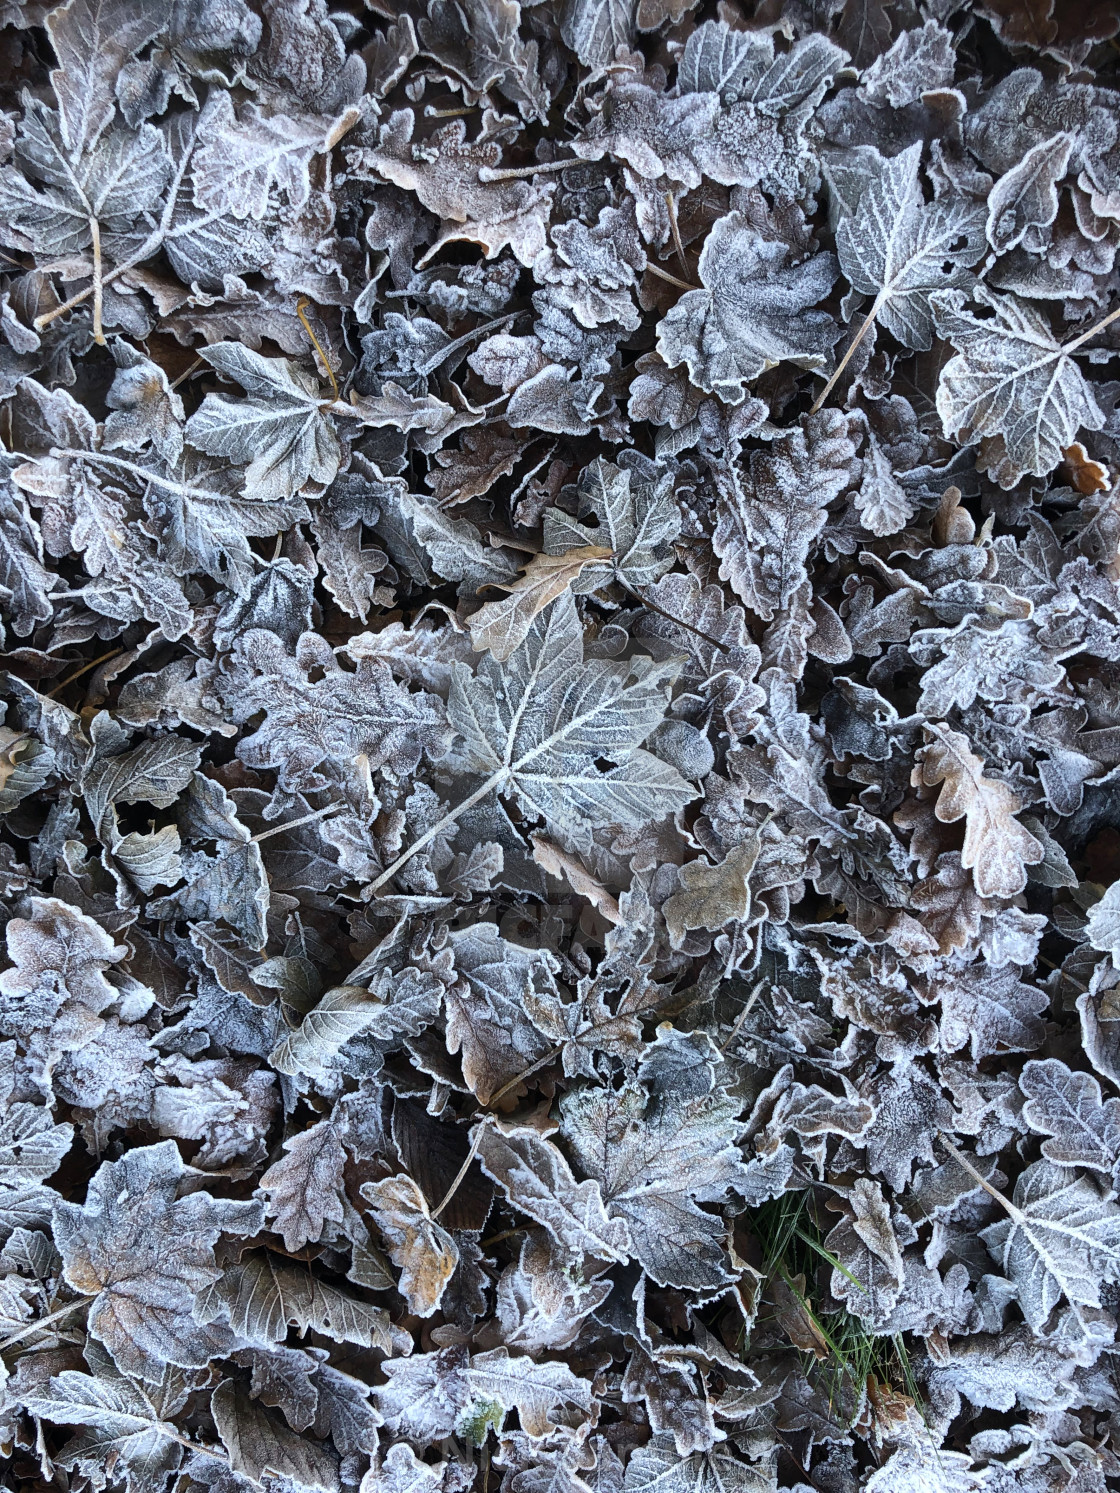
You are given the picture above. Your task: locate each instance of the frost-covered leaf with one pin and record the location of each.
(595, 28)
(1062, 1239)
(660, 1147)
(240, 160)
(636, 518)
(502, 626)
(997, 849)
(1066, 1107)
(754, 311)
(261, 1446)
(895, 246)
(262, 1294)
(126, 1432)
(1026, 197)
(303, 1190)
(1010, 383)
(657, 1468)
(143, 1254)
(535, 1175)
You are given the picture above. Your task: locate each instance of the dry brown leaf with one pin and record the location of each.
(565, 867)
(12, 743)
(1085, 473)
(502, 626)
(424, 1253)
(712, 896)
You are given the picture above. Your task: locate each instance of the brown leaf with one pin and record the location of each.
(1086, 474)
(502, 626)
(997, 849)
(424, 1253)
(549, 856)
(712, 896)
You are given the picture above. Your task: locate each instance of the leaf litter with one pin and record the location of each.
(561, 706)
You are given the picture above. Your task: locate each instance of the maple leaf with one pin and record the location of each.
(1061, 1238)
(539, 726)
(753, 312)
(239, 161)
(896, 247)
(657, 1468)
(279, 434)
(659, 1147)
(127, 1428)
(1012, 382)
(143, 1254)
(635, 511)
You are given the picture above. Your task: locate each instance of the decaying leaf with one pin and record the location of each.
(560, 596)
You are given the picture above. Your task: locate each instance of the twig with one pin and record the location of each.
(655, 269)
(63, 1311)
(300, 304)
(195, 1446)
(846, 359)
(528, 477)
(98, 287)
(674, 229)
(77, 674)
(461, 1173)
(277, 829)
(744, 1013)
(449, 348)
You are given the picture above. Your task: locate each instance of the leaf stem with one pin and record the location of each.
(524, 1074)
(316, 344)
(674, 229)
(98, 288)
(63, 1311)
(137, 470)
(655, 269)
(676, 621)
(462, 1172)
(277, 829)
(195, 1446)
(487, 174)
(77, 674)
(1071, 347)
(846, 359)
(198, 362)
(994, 1192)
(429, 835)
